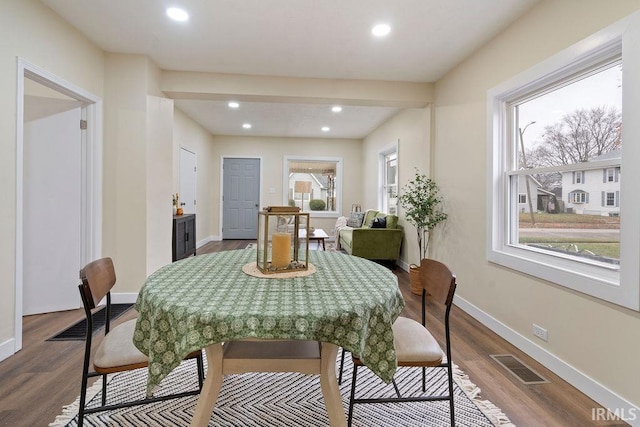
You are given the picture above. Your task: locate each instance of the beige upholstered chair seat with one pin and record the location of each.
(414, 343)
(117, 348)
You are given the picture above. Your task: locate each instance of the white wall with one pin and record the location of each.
(159, 182)
(587, 336)
(411, 130)
(272, 151)
(31, 31)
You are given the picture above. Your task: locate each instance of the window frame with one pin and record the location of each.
(382, 177)
(339, 177)
(619, 286)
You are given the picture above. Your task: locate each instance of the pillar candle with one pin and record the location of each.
(281, 255)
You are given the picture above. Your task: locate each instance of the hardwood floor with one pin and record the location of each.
(45, 375)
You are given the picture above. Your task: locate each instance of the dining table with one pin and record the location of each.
(207, 300)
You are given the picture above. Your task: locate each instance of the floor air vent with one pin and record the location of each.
(521, 371)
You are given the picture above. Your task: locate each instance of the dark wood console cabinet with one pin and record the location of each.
(184, 236)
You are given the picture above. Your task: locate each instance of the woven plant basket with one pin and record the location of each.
(414, 279)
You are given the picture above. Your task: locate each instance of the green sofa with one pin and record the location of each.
(373, 243)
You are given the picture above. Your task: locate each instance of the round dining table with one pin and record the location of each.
(207, 300)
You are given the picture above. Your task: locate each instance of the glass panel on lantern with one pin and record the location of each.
(280, 248)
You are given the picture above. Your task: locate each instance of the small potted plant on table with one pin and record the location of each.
(422, 206)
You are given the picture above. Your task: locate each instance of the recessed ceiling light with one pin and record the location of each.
(325, 129)
(381, 30)
(177, 14)
(336, 108)
(233, 104)
(246, 125)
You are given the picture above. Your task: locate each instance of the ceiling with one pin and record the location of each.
(328, 39)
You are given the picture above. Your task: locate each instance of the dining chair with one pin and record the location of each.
(116, 352)
(415, 345)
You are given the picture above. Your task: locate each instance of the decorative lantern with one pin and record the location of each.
(280, 248)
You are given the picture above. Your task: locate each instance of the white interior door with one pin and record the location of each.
(188, 181)
(52, 206)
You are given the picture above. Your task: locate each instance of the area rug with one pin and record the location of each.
(288, 399)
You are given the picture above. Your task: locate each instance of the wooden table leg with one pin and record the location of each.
(329, 385)
(211, 387)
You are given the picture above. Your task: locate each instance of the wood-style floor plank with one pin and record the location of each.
(45, 375)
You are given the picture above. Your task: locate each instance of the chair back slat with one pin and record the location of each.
(98, 277)
(437, 280)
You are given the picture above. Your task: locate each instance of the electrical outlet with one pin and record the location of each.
(540, 332)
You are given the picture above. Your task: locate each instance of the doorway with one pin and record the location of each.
(51, 200)
(240, 197)
(187, 181)
(58, 139)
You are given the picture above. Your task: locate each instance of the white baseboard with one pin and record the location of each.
(207, 240)
(403, 265)
(124, 298)
(596, 391)
(7, 349)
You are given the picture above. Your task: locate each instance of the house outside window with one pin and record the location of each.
(578, 197)
(541, 126)
(611, 199)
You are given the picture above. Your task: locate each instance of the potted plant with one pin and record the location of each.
(422, 206)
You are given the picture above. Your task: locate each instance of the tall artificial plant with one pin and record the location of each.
(422, 206)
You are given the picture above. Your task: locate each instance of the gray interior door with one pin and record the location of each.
(241, 198)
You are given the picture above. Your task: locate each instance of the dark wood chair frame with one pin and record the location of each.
(432, 273)
(89, 301)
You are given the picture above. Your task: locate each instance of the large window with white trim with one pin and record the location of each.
(313, 184)
(557, 137)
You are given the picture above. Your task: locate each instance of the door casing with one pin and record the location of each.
(91, 176)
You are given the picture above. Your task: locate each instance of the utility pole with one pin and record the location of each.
(526, 177)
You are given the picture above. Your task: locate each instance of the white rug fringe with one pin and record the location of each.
(495, 414)
(70, 411)
(491, 411)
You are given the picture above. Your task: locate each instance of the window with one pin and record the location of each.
(578, 197)
(610, 175)
(560, 126)
(611, 199)
(313, 184)
(522, 198)
(389, 178)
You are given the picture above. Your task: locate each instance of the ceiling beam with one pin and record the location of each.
(250, 88)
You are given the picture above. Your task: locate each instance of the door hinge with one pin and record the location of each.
(83, 125)
(194, 202)
(194, 168)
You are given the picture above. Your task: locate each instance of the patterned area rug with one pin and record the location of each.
(288, 399)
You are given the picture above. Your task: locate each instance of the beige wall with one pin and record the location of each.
(410, 130)
(597, 338)
(31, 31)
(193, 137)
(272, 152)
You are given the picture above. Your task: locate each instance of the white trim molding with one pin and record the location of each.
(91, 233)
(573, 376)
(621, 286)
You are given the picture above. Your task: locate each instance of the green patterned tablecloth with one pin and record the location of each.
(207, 299)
